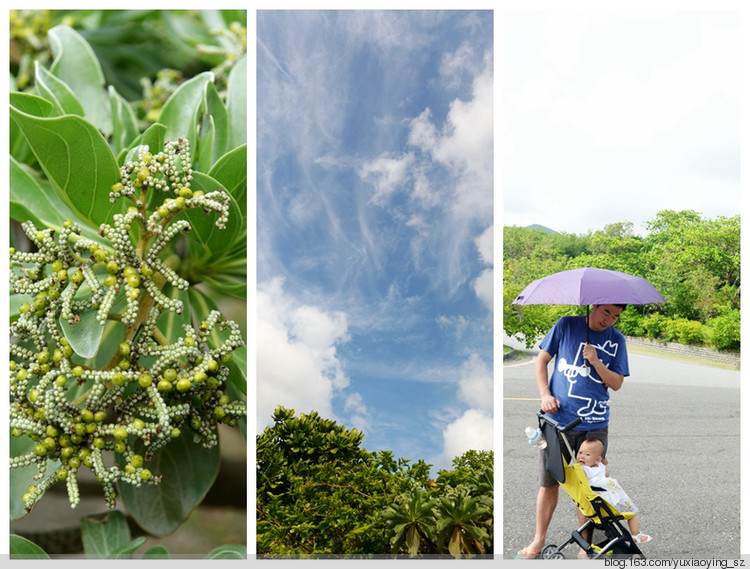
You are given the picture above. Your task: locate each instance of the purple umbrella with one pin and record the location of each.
(589, 286)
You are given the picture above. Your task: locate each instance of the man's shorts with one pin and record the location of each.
(575, 438)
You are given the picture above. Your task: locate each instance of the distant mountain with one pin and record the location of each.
(541, 228)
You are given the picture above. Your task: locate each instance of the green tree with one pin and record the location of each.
(320, 493)
(693, 259)
(694, 263)
(412, 522)
(459, 528)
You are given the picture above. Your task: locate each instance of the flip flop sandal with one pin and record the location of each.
(527, 554)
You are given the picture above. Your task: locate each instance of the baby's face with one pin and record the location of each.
(588, 455)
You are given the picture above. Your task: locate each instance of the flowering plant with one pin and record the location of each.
(121, 362)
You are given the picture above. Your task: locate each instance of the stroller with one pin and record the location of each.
(561, 464)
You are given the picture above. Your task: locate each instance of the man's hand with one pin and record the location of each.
(589, 353)
(610, 378)
(550, 404)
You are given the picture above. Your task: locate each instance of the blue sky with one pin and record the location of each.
(374, 225)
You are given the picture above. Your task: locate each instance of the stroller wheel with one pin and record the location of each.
(550, 552)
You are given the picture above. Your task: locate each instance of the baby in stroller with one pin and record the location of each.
(563, 465)
(590, 458)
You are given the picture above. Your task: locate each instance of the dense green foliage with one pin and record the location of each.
(693, 262)
(320, 493)
(128, 186)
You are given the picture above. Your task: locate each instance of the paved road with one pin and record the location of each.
(674, 447)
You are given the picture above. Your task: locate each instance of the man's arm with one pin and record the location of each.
(611, 379)
(549, 403)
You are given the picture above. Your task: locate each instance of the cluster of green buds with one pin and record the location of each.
(113, 416)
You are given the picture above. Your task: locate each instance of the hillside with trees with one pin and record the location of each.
(694, 262)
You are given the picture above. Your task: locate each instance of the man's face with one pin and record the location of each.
(603, 316)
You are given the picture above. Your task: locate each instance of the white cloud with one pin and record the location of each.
(359, 417)
(472, 431)
(484, 283)
(297, 363)
(464, 146)
(484, 288)
(485, 245)
(454, 64)
(460, 323)
(475, 385)
(585, 126)
(387, 173)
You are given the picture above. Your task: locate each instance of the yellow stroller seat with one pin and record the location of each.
(601, 514)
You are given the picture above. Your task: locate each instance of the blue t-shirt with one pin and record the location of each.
(578, 387)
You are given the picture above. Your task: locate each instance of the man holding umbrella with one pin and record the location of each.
(579, 386)
(590, 359)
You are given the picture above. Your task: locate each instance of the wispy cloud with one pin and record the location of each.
(374, 207)
(446, 179)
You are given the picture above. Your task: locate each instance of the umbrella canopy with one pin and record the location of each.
(589, 286)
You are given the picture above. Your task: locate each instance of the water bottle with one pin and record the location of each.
(536, 438)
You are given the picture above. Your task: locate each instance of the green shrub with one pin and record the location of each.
(654, 325)
(684, 331)
(631, 322)
(724, 330)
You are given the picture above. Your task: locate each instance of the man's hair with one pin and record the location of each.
(623, 306)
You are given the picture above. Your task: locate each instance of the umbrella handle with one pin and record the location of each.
(585, 361)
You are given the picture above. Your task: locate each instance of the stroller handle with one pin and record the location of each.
(574, 423)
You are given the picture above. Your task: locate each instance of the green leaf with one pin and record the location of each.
(16, 300)
(77, 65)
(181, 111)
(84, 336)
(207, 241)
(228, 275)
(124, 122)
(22, 548)
(231, 171)
(156, 552)
(154, 137)
(219, 124)
(105, 535)
(77, 160)
(238, 369)
(204, 148)
(31, 104)
(34, 200)
(126, 551)
(56, 92)
(228, 552)
(237, 101)
(21, 478)
(188, 469)
(110, 340)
